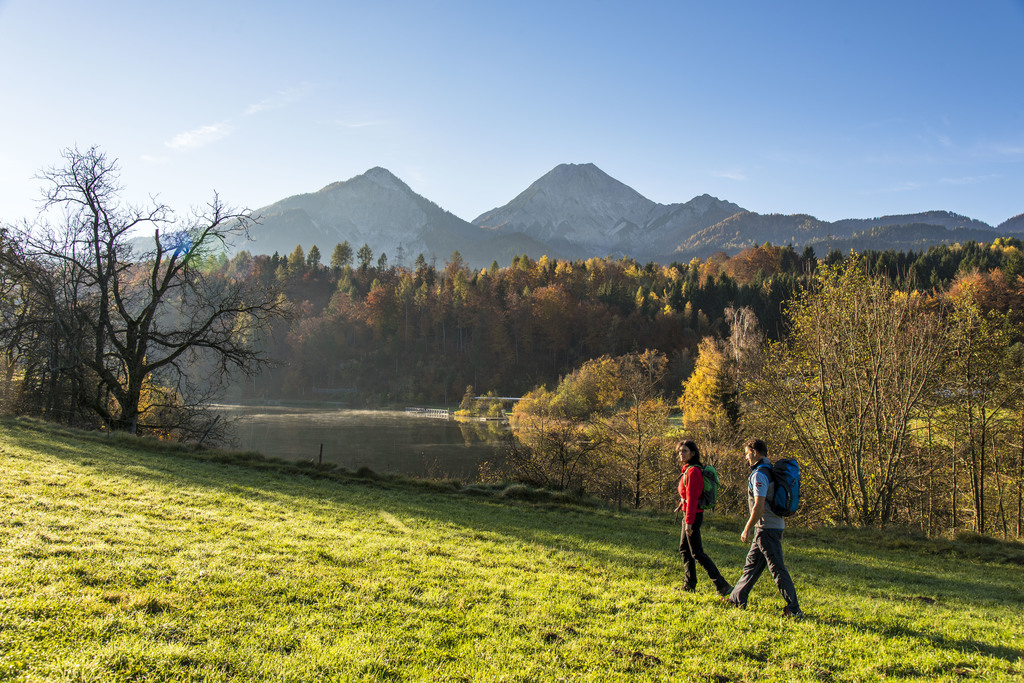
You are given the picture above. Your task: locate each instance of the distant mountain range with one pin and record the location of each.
(576, 211)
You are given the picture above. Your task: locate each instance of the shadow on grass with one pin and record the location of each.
(631, 540)
(961, 645)
(918, 577)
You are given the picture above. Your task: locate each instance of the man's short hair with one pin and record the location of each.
(757, 445)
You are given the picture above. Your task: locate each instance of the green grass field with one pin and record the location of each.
(128, 561)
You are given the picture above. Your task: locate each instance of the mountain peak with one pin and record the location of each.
(584, 178)
(587, 168)
(575, 203)
(384, 178)
(379, 172)
(378, 175)
(580, 207)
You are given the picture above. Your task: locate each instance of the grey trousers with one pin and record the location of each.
(766, 551)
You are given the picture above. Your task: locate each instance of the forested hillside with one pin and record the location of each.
(379, 333)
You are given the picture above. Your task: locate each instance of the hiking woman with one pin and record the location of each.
(691, 484)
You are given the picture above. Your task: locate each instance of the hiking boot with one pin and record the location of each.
(688, 589)
(729, 602)
(790, 613)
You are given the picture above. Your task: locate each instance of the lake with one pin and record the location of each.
(386, 441)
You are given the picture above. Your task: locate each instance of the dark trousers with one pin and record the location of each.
(692, 550)
(766, 551)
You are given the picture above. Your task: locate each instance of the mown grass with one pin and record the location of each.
(123, 560)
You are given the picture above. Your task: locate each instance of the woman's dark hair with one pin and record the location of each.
(694, 458)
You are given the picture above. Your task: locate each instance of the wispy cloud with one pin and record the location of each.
(732, 174)
(1008, 150)
(205, 135)
(200, 137)
(281, 99)
(967, 180)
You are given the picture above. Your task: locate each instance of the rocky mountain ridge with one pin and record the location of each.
(574, 211)
(581, 210)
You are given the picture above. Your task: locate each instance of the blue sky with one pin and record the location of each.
(839, 110)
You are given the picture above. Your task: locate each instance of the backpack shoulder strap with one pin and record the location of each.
(753, 473)
(685, 476)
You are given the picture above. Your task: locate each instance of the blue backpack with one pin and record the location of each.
(785, 500)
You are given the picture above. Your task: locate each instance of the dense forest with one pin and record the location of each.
(381, 333)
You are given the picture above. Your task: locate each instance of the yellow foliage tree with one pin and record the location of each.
(601, 428)
(707, 399)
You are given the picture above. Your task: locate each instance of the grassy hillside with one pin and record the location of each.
(125, 561)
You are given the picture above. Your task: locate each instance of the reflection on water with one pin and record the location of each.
(386, 441)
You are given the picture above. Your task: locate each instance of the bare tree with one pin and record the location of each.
(844, 391)
(983, 382)
(635, 431)
(554, 451)
(133, 319)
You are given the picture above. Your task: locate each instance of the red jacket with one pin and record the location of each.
(691, 485)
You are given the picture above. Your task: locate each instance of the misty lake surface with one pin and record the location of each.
(386, 441)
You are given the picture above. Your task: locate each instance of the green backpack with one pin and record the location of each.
(709, 496)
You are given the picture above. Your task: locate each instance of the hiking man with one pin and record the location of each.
(767, 528)
(691, 484)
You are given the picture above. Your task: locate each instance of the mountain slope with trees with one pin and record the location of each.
(1012, 225)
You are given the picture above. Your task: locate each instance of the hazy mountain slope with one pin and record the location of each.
(910, 237)
(747, 229)
(944, 219)
(582, 211)
(675, 223)
(374, 208)
(1012, 225)
(910, 231)
(575, 211)
(506, 246)
(577, 203)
